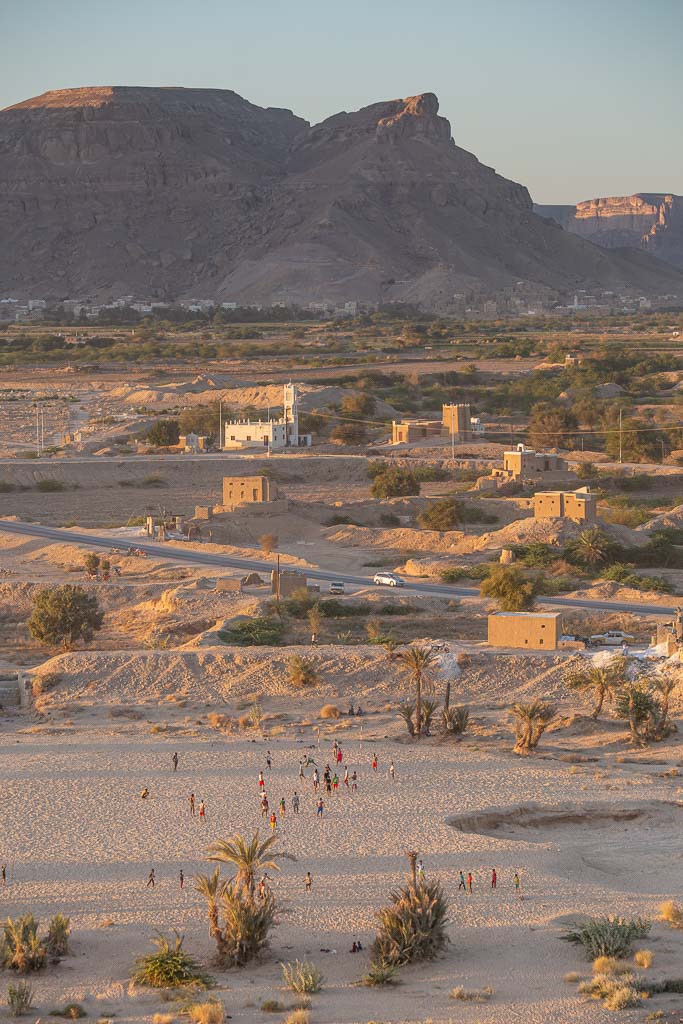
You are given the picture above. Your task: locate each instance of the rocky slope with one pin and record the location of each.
(173, 193)
(649, 221)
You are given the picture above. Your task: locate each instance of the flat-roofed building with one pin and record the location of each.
(535, 631)
(579, 505)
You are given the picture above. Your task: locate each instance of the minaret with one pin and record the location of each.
(291, 415)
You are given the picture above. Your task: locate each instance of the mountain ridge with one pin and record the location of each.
(173, 192)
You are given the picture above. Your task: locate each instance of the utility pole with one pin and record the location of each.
(620, 449)
(277, 579)
(220, 424)
(37, 431)
(452, 432)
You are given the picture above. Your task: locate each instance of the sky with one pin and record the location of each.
(573, 98)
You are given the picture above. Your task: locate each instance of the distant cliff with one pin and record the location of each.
(648, 220)
(197, 193)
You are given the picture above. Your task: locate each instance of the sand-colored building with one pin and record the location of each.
(247, 490)
(522, 465)
(579, 505)
(535, 631)
(456, 420)
(414, 430)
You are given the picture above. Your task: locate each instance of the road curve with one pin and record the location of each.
(179, 554)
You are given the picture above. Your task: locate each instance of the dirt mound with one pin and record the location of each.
(516, 822)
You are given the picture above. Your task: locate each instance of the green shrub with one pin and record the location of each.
(22, 948)
(48, 485)
(169, 967)
(302, 976)
(395, 483)
(19, 998)
(58, 932)
(413, 926)
(379, 974)
(469, 572)
(609, 936)
(256, 632)
(302, 672)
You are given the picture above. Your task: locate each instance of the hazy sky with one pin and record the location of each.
(573, 98)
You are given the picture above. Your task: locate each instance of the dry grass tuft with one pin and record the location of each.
(330, 711)
(163, 1018)
(299, 1016)
(644, 958)
(672, 913)
(572, 977)
(609, 966)
(473, 995)
(210, 1012)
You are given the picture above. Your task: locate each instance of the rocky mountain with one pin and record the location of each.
(177, 193)
(650, 221)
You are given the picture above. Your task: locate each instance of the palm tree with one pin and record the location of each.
(603, 681)
(419, 663)
(531, 721)
(665, 686)
(591, 547)
(248, 858)
(212, 888)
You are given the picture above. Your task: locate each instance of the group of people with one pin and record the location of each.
(330, 784)
(467, 884)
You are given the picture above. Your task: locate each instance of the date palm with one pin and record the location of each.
(531, 721)
(603, 681)
(249, 858)
(212, 887)
(419, 664)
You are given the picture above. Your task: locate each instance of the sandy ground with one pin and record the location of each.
(77, 838)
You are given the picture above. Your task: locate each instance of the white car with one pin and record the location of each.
(612, 638)
(388, 579)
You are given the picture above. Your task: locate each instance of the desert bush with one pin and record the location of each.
(19, 998)
(22, 948)
(211, 1011)
(64, 615)
(300, 1016)
(466, 572)
(644, 958)
(48, 485)
(380, 974)
(622, 997)
(510, 588)
(609, 966)
(609, 936)
(455, 720)
(257, 632)
(43, 684)
(571, 977)
(302, 672)
(413, 926)
(72, 1011)
(162, 1018)
(58, 932)
(268, 543)
(463, 660)
(473, 995)
(672, 913)
(330, 711)
(169, 967)
(271, 1006)
(302, 976)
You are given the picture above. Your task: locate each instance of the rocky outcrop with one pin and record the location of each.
(649, 221)
(177, 193)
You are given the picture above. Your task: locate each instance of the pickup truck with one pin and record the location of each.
(612, 638)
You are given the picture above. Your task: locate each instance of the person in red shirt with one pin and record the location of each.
(494, 878)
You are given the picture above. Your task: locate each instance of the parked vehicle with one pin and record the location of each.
(388, 579)
(611, 638)
(337, 587)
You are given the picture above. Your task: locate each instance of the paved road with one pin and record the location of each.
(179, 554)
